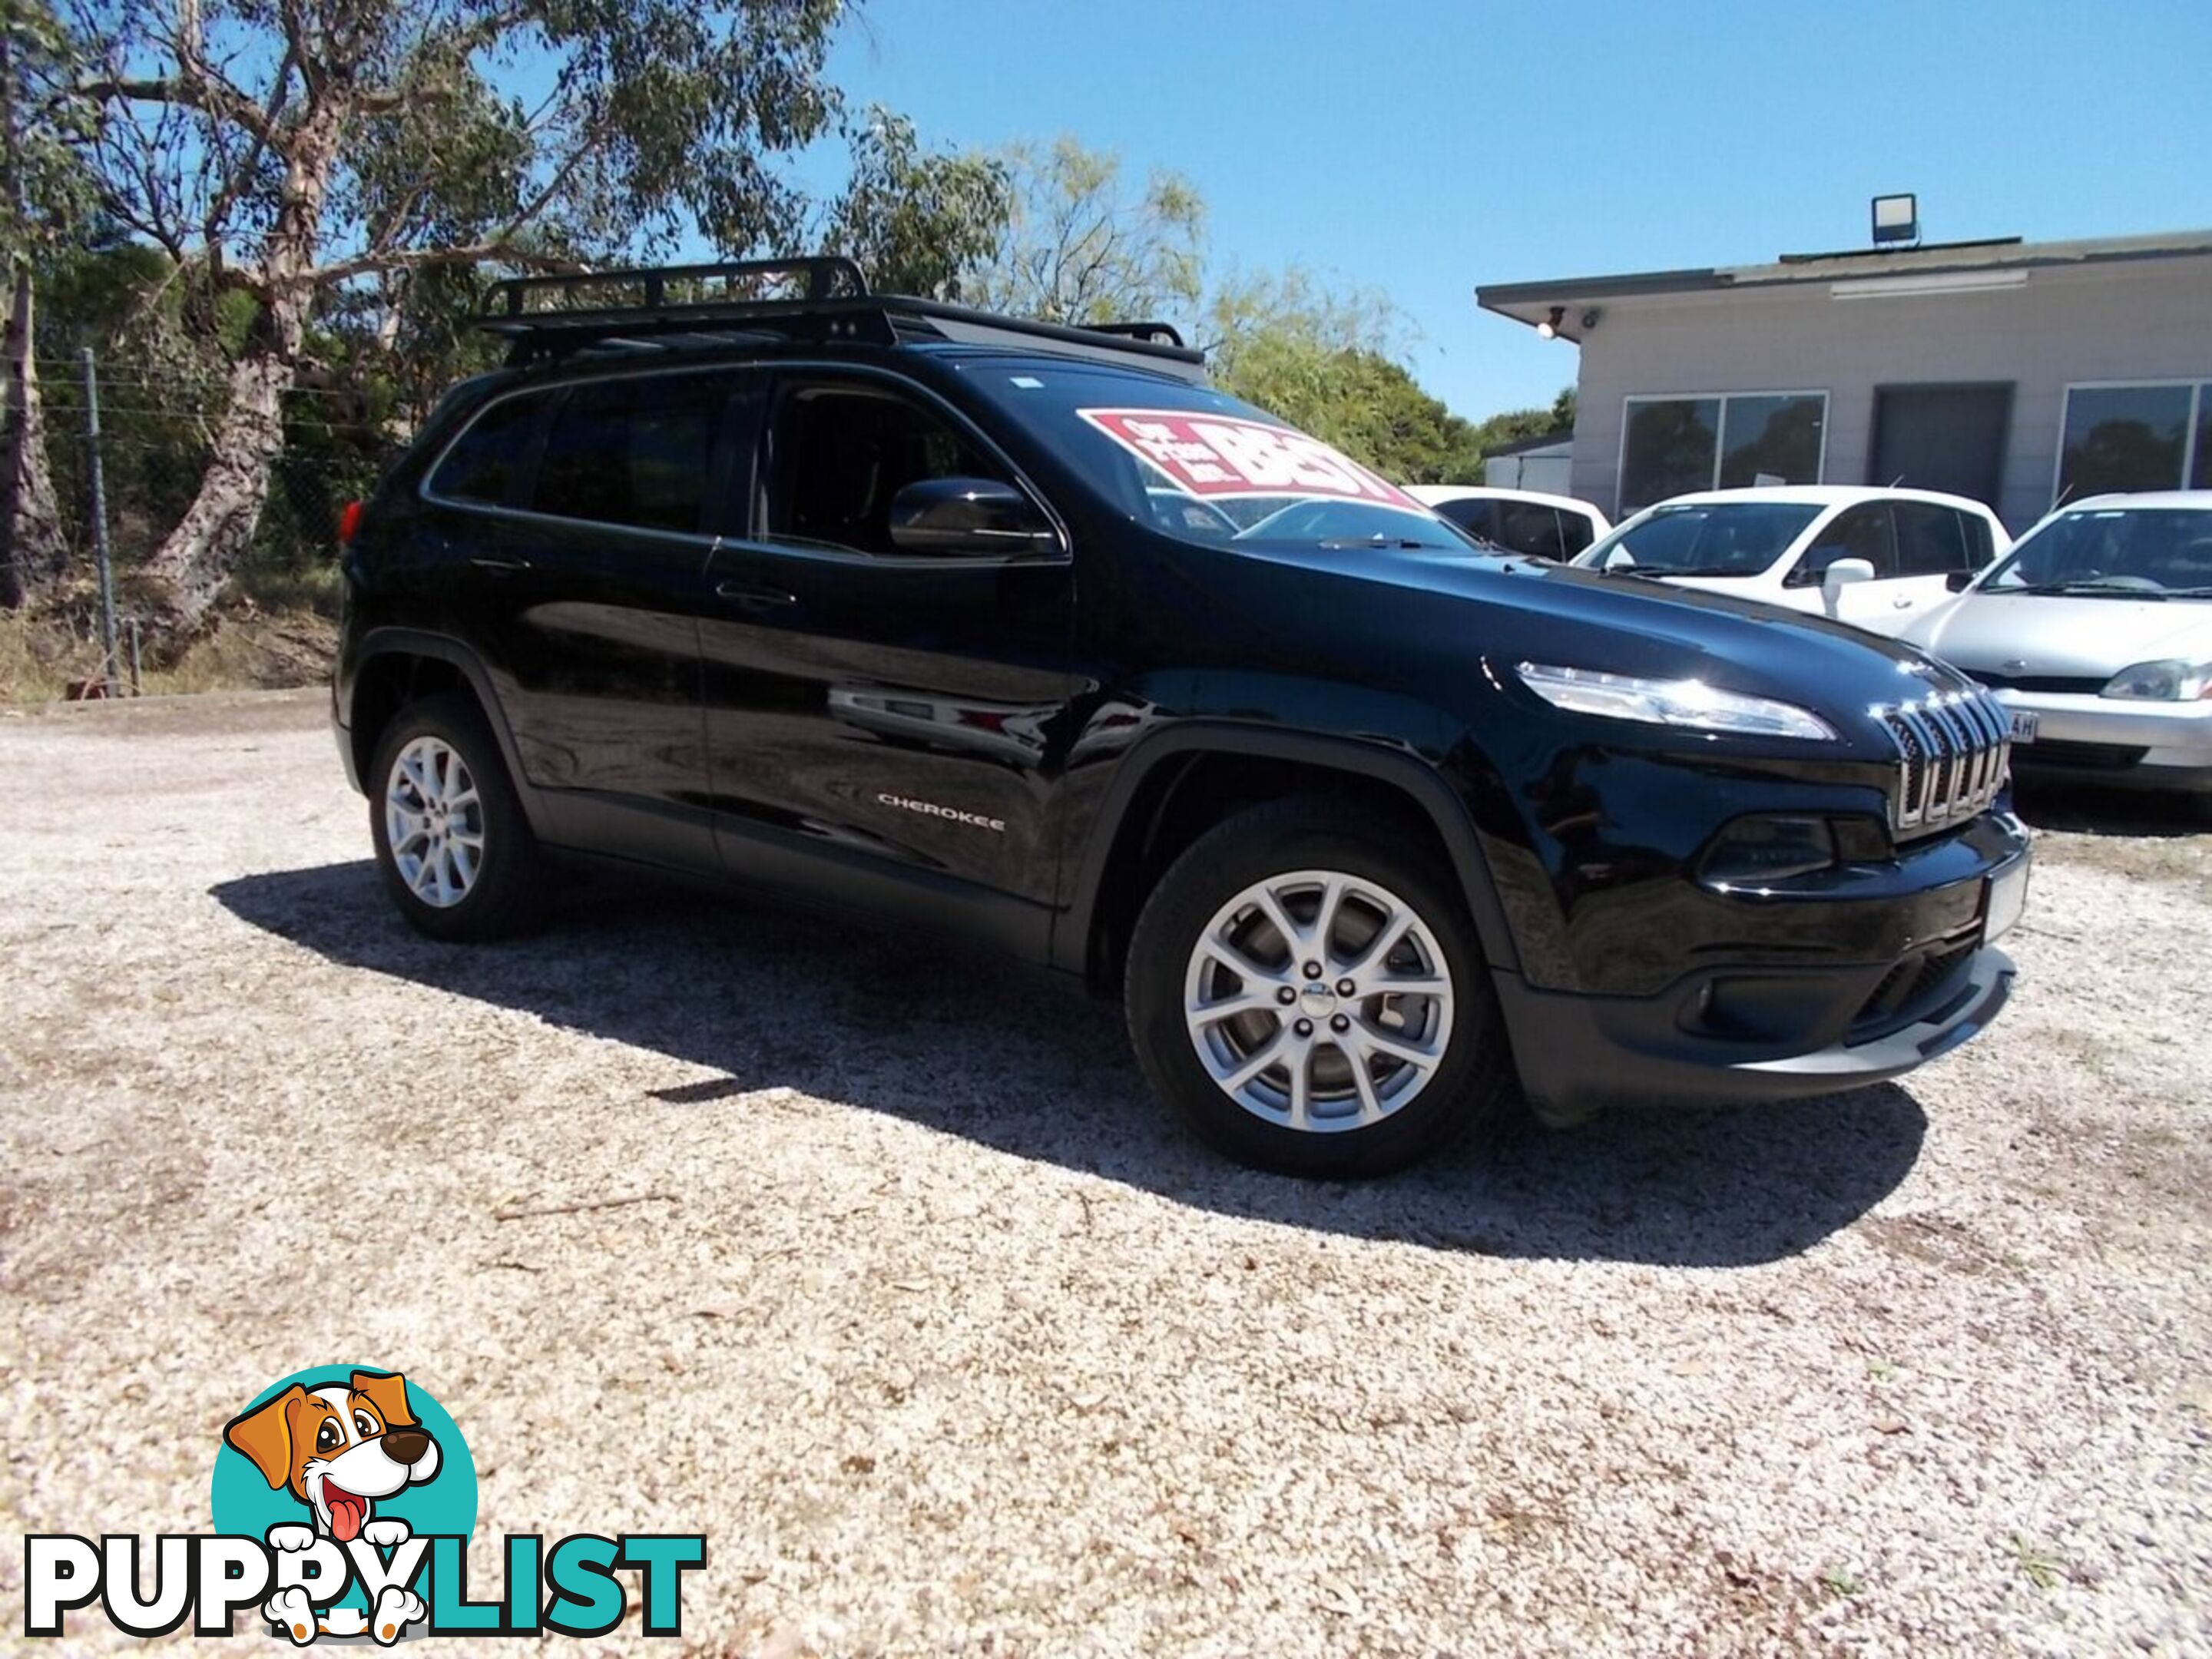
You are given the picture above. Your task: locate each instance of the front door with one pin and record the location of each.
(1946, 438)
(1883, 605)
(881, 721)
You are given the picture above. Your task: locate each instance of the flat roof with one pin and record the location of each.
(1532, 302)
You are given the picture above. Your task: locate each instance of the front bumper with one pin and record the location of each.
(2151, 745)
(1747, 1026)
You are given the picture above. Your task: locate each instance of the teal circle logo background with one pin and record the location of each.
(242, 1502)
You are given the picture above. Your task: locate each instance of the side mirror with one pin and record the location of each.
(968, 515)
(1958, 580)
(1844, 573)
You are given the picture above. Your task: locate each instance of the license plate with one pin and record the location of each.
(2008, 898)
(2024, 724)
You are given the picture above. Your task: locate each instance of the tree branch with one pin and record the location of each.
(210, 97)
(496, 252)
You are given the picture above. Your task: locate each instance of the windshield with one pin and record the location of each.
(1702, 538)
(1201, 467)
(2165, 551)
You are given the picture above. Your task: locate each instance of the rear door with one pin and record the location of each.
(584, 590)
(1934, 544)
(879, 720)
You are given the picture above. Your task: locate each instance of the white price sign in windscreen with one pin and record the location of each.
(1223, 455)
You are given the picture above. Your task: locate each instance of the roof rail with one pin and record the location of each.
(706, 303)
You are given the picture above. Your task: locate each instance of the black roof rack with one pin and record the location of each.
(674, 305)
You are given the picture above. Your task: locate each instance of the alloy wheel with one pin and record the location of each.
(1319, 1001)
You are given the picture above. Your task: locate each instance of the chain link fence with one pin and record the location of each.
(128, 446)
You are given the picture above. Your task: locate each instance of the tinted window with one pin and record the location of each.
(838, 455)
(1669, 449)
(635, 452)
(489, 459)
(1578, 532)
(1981, 545)
(1531, 528)
(1930, 540)
(2124, 438)
(1863, 532)
(1473, 516)
(1770, 441)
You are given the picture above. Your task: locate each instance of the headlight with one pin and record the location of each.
(1671, 702)
(2170, 681)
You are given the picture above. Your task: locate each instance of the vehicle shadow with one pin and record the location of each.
(973, 1045)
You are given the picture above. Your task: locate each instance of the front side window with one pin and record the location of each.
(1676, 445)
(838, 455)
(1859, 532)
(635, 452)
(2119, 439)
(2117, 551)
(1931, 540)
(1703, 538)
(488, 460)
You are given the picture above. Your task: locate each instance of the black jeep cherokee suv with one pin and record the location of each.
(1023, 630)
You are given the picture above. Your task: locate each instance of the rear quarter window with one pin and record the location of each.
(488, 460)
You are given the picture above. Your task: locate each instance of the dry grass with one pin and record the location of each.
(276, 630)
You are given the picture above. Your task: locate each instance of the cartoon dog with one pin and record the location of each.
(337, 1449)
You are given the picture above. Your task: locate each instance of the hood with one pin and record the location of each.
(2017, 634)
(1430, 618)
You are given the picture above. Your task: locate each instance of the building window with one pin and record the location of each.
(2152, 436)
(1671, 445)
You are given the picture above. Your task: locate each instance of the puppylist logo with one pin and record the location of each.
(343, 1502)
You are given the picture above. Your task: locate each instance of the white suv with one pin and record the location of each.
(1876, 558)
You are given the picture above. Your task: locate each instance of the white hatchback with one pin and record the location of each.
(1876, 558)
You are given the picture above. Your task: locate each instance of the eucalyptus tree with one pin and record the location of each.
(326, 155)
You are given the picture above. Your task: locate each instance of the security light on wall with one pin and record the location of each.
(1549, 328)
(1896, 219)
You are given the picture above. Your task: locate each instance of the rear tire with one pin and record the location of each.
(1291, 1050)
(453, 843)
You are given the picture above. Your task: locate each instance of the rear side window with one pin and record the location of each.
(1577, 533)
(1930, 540)
(1473, 516)
(487, 459)
(1531, 528)
(634, 452)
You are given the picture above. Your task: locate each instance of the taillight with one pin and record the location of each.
(349, 522)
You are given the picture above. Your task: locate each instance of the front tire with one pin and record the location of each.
(1312, 1000)
(453, 843)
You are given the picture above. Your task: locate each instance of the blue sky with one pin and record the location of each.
(1424, 147)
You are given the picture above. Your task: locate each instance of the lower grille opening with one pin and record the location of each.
(1918, 983)
(2080, 757)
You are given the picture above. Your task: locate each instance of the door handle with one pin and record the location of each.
(501, 566)
(755, 596)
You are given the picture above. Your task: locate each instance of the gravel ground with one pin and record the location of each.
(904, 1292)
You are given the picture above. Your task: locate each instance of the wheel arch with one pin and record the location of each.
(1178, 783)
(393, 667)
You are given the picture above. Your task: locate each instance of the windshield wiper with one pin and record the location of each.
(2087, 589)
(1379, 540)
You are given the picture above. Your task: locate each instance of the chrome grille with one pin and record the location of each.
(1954, 751)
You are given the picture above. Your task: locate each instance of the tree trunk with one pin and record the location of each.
(33, 552)
(185, 574)
(188, 570)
